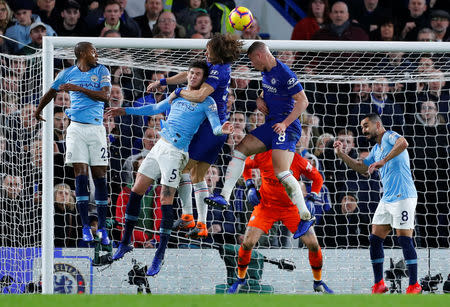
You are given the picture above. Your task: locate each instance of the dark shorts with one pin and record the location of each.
(273, 140)
(205, 146)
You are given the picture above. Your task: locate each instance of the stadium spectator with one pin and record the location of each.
(252, 32)
(37, 31)
(319, 147)
(167, 26)
(369, 14)
(416, 19)
(203, 25)
(396, 63)
(4, 46)
(244, 89)
(142, 235)
(20, 30)
(67, 226)
(387, 30)
(287, 57)
(188, 15)
(114, 17)
(151, 136)
(60, 124)
(255, 119)
(47, 11)
(6, 16)
(435, 90)
(238, 120)
(63, 173)
(340, 28)
(426, 35)
(315, 19)
(70, 23)
(304, 145)
(62, 100)
(439, 23)
(231, 99)
(147, 21)
(391, 113)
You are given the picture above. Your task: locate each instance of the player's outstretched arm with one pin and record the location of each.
(45, 100)
(197, 95)
(177, 79)
(400, 145)
(102, 95)
(357, 165)
(148, 110)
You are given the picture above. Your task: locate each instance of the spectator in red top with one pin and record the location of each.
(341, 28)
(317, 16)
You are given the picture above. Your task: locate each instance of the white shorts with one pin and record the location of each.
(166, 161)
(86, 143)
(399, 214)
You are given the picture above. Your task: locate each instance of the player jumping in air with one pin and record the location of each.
(283, 101)
(272, 205)
(89, 86)
(168, 157)
(398, 204)
(205, 147)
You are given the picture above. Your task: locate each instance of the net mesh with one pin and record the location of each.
(410, 90)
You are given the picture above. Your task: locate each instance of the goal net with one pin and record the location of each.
(410, 90)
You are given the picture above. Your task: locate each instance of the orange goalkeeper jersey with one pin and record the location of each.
(271, 190)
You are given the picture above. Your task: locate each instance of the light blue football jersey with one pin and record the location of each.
(84, 109)
(395, 175)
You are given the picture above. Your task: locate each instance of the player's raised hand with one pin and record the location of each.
(262, 106)
(338, 148)
(279, 128)
(113, 112)
(376, 165)
(227, 128)
(154, 86)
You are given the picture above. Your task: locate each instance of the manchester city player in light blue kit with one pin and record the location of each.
(221, 51)
(168, 157)
(284, 100)
(397, 207)
(89, 86)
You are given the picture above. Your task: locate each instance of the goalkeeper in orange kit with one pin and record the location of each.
(272, 204)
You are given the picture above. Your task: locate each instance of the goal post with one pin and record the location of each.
(310, 49)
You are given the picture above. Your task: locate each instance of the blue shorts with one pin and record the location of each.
(273, 140)
(205, 146)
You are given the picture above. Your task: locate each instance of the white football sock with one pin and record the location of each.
(295, 193)
(185, 193)
(234, 171)
(200, 192)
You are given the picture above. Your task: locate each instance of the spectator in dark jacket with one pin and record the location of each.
(147, 21)
(341, 28)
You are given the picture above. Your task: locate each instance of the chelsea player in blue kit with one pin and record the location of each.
(283, 102)
(89, 86)
(396, 209)
(168, 157)
(221, 51)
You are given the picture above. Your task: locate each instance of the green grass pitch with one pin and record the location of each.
(223, 300)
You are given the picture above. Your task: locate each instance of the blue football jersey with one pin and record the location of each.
(84, 109)
(279, 85)
(395, 175)
(219, 78)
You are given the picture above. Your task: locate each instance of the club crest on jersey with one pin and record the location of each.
(94, 78)
(273, 81)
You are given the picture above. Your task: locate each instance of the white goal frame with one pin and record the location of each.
(50, 43)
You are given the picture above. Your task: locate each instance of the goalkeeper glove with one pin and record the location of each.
(310, 201)
(253, 195)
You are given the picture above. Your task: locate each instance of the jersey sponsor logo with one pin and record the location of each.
(68, 279)
(94, 78)
(273, 81)
(213, 72)
(269, 88)
(213, 107)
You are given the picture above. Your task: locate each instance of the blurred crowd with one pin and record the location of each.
(417, 110)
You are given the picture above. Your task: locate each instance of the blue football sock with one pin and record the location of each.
(82, 197)
(131, 216)
(101, 200)
(164, 230)
(409, 252)
(377, 256)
